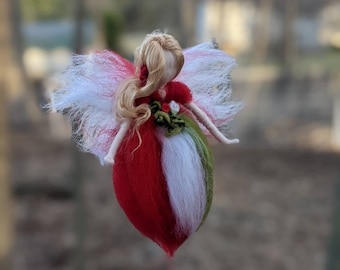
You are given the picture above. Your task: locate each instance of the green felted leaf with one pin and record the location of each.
(162, 118)
(155, 106)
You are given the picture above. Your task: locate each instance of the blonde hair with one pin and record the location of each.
(153, 53)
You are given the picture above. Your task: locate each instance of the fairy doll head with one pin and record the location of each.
(158, 60)
(161, 57)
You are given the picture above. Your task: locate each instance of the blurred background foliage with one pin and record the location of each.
(39, 10)
(288, 76)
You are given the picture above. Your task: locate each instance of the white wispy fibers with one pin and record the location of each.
(184, 174)
(86, 93)
(207, 72)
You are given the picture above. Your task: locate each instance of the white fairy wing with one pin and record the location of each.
(87, 94)
(206, 72)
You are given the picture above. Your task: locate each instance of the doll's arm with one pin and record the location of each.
(204, 119)
(109, 158)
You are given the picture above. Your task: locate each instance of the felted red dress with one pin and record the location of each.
(151, 184)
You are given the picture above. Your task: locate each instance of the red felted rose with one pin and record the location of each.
(166, 107)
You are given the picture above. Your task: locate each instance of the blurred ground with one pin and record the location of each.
(272, 210)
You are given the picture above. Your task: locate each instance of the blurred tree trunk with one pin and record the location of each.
(78, 175)
(262, 30)
(21, 92)
(289, 39)
(97, 9)
(336, 119)
(333, 262)
(79, 19)
(289, 48)
(188, 21)
(6, 221)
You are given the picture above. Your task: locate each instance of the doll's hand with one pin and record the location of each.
(227, 141)
(108, 160)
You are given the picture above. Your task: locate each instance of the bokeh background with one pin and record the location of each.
(277, 193)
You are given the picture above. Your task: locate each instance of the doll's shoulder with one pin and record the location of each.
(179, 92)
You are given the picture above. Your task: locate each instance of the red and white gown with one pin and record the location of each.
(160, 181)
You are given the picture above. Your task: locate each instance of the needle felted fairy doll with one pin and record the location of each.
(150, 121)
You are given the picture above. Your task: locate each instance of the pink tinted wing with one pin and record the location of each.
(87, 93)
(207, 72)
